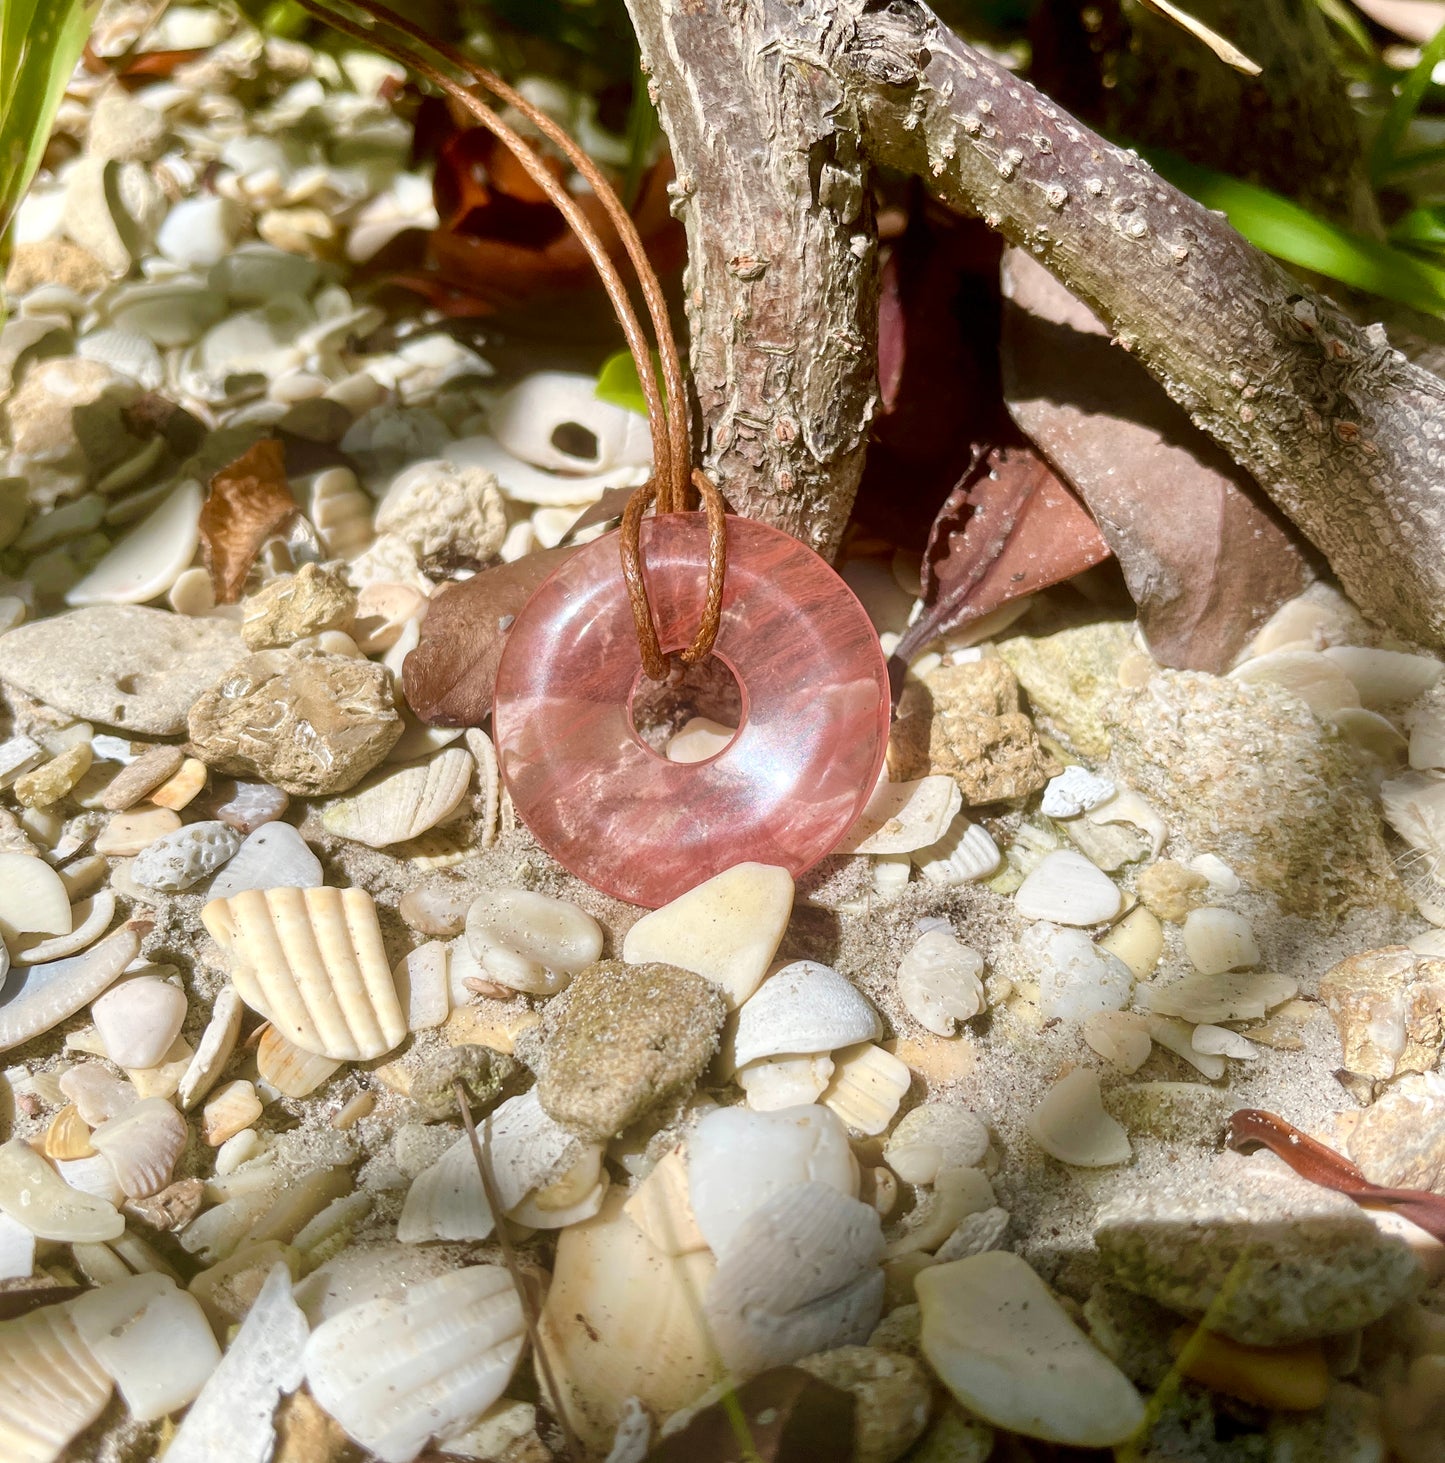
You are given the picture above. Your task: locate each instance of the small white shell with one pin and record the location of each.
(1120, 1037)
(51, 1386)
(96, 1092)
(1220, 1041)
(1178, 1037)
(1385, 677)
(395, 806)
(801, 1009)
(150, 558)
(1308, 674)
(738, 1159)
(801, 1275)
(1075, 790)
(531, 942)
(274, 856)
(230, 1109)
(91, 918)
(939, 982)
(1129, 807)
(139, 1019)
(771, 1083)
(523, 483)
(218, 1041)
(41, 996)
(1068, 890)
(489, 785)
(904, 816)
(422, 986)
(933, 1137)
(455, 1341)
(340, 512)
(33, 1194)
(1076, 976)
(1219, 940)
(1070, 1124)
(143, 1144)
(33, 899)
(1235, 996)
(964, 855)
(868, 1084)
(313, 963)
(547, 406)
(18, 754)
(291, 1071)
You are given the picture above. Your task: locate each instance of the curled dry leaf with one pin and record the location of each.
(249, 500)
(1250, 1128)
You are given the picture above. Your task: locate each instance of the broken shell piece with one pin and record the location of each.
(523, 483)
(904, 816)
(312, 962)
(992, 1331)
(218, 1041)
(274, 856)
(51, 1386)
(291, 1071)
(803, 1008)
(801, 1275)
(698, 739)
(1120, 1037)
(98, 1094)
(956, 1194)
(1178, 1037)
(1076, 976)
(1234, 996)
(1137, 940)
(1067, 889)
(1129, 807)
(34, 1195)
(150, 558)
(1075, 790)
(233, 1107)
(939, 982)
(395, 806)
(422, 986)
(129, 832)
(1309, 674)
(1219, 940)
(1385, 677)
(93, 1176)
(531, 942)
(38, 997)
(661, 1209)
(185, 857)
(964, 855)
(399, 1370)
(738, 1159)
(139, 1019)
(868, 1084)
(143, 1144)
(179, 790)
(68, 1135)
(1070, 1124)
(1220, 1041)
(152, 1338)
(33, 899)
(771, 1083)
(91, 919)
(933, 1137)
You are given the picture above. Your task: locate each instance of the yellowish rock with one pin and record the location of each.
(177, 791)
(53, 780)
(1289, 1378)
(1170, 891)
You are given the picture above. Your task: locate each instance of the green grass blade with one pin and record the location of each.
(1289, 232)
(1347, 20)
(1403, 108)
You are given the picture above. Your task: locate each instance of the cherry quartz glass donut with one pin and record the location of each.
(786, 788)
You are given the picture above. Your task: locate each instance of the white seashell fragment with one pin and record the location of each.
(1068, 890)
(1129, 807)
(96, 1093)
(143, 1144)
(1070, 1124)
(1008, 1351)
(555, 420)
(422, 986)
(1373, 736)
(312, 962)
(940, 982)
(1178, 1037)
(738, 1159)
(488, 803)
(91, 918)
(698, 739)
(1137, 940)
(291, 1071)
(395, 806)
(129, 832)
(1385, 677)
(17, 1250)
(523, 483)
(153, 1339)
(727, 929)
(185, 857)
(964, 855)
(935, 1137)
(217, 1043)
(1075, 790)
(1076, 976)
(1308, 674)
(33, 899)
(150, 558)
(1234, 996)
(231, 1109)
(199, 231)
(659, 1206)
(801, 1009)
(232, 1416)
(868, 1084)
(902, 817)
(38, 997)
(1219, 940)
(1120, 1037)
(956, 1194)
(773, 1082)
(34, 1195)
(18, 754)
(274, 856)
(1414, 806)
(139, 1019)
(1220, 1041)
(51, 1386)
(531, 942)
(801, 1275)
(93, 1176)
(397, 1371)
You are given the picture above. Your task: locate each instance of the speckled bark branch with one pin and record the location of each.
(781, 296)
(1344, 434)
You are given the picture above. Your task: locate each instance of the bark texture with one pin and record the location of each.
(781, 293)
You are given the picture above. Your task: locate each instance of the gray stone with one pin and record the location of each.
(1268, 1257)
(125, 666)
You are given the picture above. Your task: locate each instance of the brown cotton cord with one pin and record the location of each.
(671, 448)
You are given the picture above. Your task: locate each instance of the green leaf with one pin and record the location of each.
(1347, 19)
(1402, 110)
(618, 383)
(1421, 228)
(1282, 228)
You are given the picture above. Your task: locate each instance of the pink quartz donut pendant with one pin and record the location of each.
(785, 790)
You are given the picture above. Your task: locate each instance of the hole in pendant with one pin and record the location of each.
(575, 440)
(693, 715)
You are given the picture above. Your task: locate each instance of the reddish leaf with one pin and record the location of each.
(449, 677)
(784, 1415)
(1250, 1128)
(1009, 528)
(249, 501)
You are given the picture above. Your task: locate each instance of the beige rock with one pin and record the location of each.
(141, 777)
(180, 789)
(892, 1397)
(1399, 1141)
(1169, 890)
(1389, 1008)
(294, 606)
(53, 780)
(450, 513)
(311, 724)
(54, 262)
(1071, 677)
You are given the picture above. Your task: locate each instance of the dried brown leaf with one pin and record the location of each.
(249, 500)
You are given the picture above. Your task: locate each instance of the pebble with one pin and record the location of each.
(185, 857)
(621, 1040)
(1137, 940)
(1068, 890)
(1070, 1124)
(53, 780)
(531, 942)
(275, 856)
(1169, 890)
(1075, 790)
(940, 981)
(1076, 976)
(120, 665)
(139, 1019)
(892, 1397)
(153, 767)
(1009, 1352)
(1386, 1005)
(128, 833)
(1282, 1378)
(727, 929)
(438, 909)
(199, 231)
(444, 511)
(288, 609)
(244, 806)
(180, 789)
(310, 725)
(1219, 940)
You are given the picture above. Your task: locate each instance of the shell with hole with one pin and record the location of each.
(455, 1340)
(312, 962)
(395, 806)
